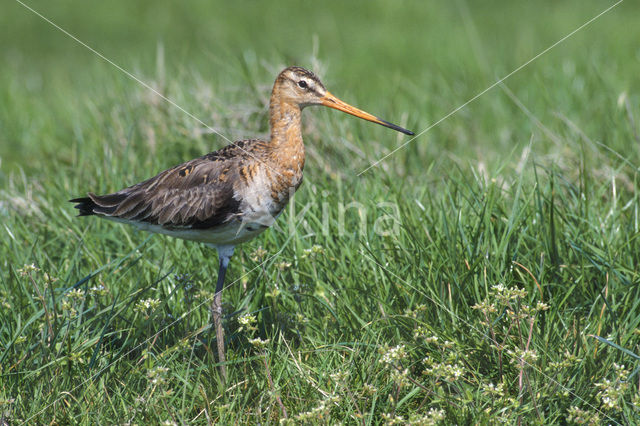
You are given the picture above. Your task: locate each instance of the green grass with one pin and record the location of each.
(533, 186)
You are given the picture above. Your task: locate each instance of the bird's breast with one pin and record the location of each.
(267, 193)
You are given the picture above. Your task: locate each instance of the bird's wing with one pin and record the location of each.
(197, 194)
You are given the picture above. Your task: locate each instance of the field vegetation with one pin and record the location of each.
(486, 272)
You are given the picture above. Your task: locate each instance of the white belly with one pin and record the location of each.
(231, 233)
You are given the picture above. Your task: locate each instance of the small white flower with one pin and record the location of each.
(259, 343)
(541, 306)
(26, 269)
(247, 320)
(76, 294)
(394, 354)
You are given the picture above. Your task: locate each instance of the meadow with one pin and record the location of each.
(485, 272)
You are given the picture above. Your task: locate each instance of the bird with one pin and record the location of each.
(231, 195)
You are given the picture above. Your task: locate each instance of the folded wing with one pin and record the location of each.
(198, 194)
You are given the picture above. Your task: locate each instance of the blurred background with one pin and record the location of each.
(410, 62)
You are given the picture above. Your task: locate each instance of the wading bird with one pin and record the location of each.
(231, 195)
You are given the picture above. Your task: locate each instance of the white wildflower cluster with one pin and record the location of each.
(393, 419)
(321, 412)
(48, 278)
(622, 373)
(522, 356)
(27, 269)
(504, 294)
(98, 290)
(68, 304)
(313, 251)
(259, 343)
(420, 332)
(486, 306)
(541, 306)
(157, 375)
(247, 322)
(527, 311)
(612, 391)
(498, 288)
(369, 389)
(443, 370)
(432, 339)
(393, 355)
(147, 306)
(582, 417)
(568, 360)
(400, 376)
(500, 296)
(447, 344)
(283, 265)
(493, 390)
(76, 294)
(258, 254)
(417, 311)
(339, 376)
(635, 401)
(433, 417)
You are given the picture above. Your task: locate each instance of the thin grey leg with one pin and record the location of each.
(225, 254)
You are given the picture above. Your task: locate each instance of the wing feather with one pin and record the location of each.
(198, 194)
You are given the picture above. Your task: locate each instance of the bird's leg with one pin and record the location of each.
(224, 254)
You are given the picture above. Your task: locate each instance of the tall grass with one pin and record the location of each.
(505, 290)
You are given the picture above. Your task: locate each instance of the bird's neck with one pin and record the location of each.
(286, 132)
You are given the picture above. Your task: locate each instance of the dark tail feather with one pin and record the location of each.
(85, 205)
(103, 205)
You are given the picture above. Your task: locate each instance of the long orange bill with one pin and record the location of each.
(333, 102)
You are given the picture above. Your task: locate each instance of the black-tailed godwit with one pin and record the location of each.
(231, 195)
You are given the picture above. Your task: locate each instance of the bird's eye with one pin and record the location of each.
(302, 84)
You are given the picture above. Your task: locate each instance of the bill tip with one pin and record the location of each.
(396, 127)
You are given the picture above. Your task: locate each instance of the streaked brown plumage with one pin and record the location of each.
(231, 195)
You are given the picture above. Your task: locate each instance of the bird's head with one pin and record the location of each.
(302, 87)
